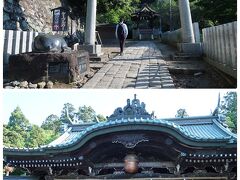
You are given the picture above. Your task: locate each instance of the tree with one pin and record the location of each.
(163, 8)
(228, 108)
(107, 11)
(111, 11)
(36, 137)
(181, 113)
(217, 11)
(71, 112)
(20, 133)
(86, 114)
(12, 138)
(15, 132)
(17, 118)
(101, 118)
(52, 122)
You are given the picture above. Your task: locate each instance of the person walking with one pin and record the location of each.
(121, 34)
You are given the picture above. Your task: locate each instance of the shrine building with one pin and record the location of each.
(146, 23)
(133, 143)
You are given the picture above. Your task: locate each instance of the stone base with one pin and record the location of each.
(62, 67)
(92, 49)
(191, 48)
(146, 37)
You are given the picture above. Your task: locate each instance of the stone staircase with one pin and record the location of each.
(179, 56)
(185, 63)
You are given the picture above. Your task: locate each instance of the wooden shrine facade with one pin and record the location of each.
(146, 23)
(132, 143)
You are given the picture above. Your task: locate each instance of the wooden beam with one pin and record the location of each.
(141, 164)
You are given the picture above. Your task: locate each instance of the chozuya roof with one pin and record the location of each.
(205, 131)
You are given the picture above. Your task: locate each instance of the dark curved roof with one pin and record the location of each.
(203, 131)
(195, 129)
(192, 131)
(145, 11)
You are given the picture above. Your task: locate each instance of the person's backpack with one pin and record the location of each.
(120, 31)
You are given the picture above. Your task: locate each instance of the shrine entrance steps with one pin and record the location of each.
(141, 66)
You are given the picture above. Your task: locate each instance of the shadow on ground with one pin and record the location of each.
(194, 73)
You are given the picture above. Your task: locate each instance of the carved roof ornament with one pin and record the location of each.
(216, 111)
(130, 141)
(75, 121)
(133, 109)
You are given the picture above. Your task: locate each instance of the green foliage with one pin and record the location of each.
(111, 16)
(35, 137)
(206, 12)
(52, 122)
(86, 114)
(11, 138)
(181, 113)
(20, 133)
(71, 112)
(17, 119)
(15, 132)
(111, 11)
(229, 109)
(50, 136)
(214, 12)
(107, 11)
(163, 8)
(101, 118)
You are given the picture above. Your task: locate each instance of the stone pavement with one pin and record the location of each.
(141, 66)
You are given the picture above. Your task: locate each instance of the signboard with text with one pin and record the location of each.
(60, 19)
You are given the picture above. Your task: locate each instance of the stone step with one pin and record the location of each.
(95, 58)
(96, 65)
(184, 54)
(187, 62)
(185, 67)
(185, 70)
(185, 57)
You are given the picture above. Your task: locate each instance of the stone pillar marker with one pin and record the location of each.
(90, 29)
(91, 22)
(186, 21)
(188, 44)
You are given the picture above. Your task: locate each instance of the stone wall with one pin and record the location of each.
(34, 15)
(220, 47)
(172, 37)
(175, 37)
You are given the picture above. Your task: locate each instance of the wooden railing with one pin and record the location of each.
(98, 38)
(16, 42)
